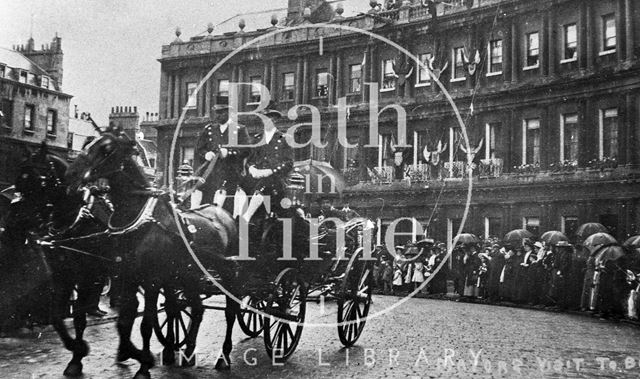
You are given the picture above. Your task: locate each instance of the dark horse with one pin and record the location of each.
(154, 255)
(47, 211)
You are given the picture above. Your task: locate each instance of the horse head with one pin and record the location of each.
(109, 157)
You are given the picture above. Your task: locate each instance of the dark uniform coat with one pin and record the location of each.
(230, 169)
(277, 156)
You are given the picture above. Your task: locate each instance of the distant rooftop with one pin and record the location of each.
(15, 59)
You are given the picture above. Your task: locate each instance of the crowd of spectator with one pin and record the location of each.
(602, 278)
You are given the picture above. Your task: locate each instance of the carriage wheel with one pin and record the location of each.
(354, 299)
(250, 322)
(172, 326)
(281, 337)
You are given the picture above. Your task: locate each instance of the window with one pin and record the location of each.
(254, 94)
(45, 82)
(355, 78)
(492, 133)
(569, 138)
(187, 153)
(388, 75)
(608, 32)
(3, 71)
(52, 120)
(492, 227)
(322, 83)
(288, 86)
(7, 113)
(29, 117)
(570, 42)
(351, 153)
(531, 224)
(223, 87)
(23, 77)
(608, 133)
(423, 78)
(533, 50)
(31, 79)
(531, 141)
(458, 64)
(495, 57)
(192, 97)
(569, 226)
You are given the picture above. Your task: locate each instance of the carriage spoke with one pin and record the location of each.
(184, 327)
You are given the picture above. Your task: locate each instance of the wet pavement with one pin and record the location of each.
(421, 339)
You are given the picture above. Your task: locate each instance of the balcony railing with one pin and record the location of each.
(456, 170)
(420, 173)
(490, 168)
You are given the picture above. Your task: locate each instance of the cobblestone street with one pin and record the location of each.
(422, 338)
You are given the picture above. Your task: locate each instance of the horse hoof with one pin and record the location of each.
(123, 355)
(142, 375)
(168, 357)
(73, 370)
(222, 365)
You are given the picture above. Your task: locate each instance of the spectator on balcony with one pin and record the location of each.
(400, 169)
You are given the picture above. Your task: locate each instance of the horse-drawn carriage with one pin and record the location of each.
(152, 243)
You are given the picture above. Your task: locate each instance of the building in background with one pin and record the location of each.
(127, 119)
(548, 91)
(82, 130)
(33, 106)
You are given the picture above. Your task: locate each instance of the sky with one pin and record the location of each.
(111, 47)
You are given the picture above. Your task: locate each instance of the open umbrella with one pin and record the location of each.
(585, 230)
(552, 237)
(321, 177)
(633, 242)
(466, 238)
(596, 240)
(515, 237)
(609, 253)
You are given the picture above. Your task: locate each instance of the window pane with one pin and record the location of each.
(223, 87)
(388, 78)
(322, 83)
(610, 133)
(191, 96)
(609, 31)
(496, 56)
(458, 63)
(355, 74)
(423, 73)
(288, 89)
(570, 132)
(533, 49)
(570, 41)
(533, 141)
(51, 122)
(256, 81)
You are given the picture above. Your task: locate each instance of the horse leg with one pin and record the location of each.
(126, 317)
(146, 330)
(80, 347)
(197, 310)
(170, 309)
(231, 310)
(61, 294)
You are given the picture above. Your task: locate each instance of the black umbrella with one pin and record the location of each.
(598, 239)
(609, 253)
(515, 237)
(552, 237)
(585, 230)
(465, 239)
(633, 242)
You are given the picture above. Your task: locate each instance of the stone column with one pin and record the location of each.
(265, 74)
(509, 65)
(619, 30)
(299, 80)
(629, 32)
(207, 94)
(583, 36)
(629, 138)
(331, 79)
(339, 91)
(544, 46)
(551, 42)
(515, 51)
(176, 95)
(590, 42)
(273, 81)
(305, 81)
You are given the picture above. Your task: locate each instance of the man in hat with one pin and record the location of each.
(271, 162)
(228, 169)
